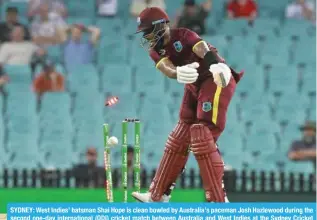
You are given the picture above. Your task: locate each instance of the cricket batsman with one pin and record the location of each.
(210, 83)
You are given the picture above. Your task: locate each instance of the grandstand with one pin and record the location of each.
(276, 95)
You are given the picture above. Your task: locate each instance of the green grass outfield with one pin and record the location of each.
(80, 195)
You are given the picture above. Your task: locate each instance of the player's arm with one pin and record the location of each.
(183, 74)
(221, 72)
(167, 68)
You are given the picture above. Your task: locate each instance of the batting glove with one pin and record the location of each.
(187, 74)
(221, 73)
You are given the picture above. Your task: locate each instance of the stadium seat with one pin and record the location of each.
(118, 54)
(230, 142)
(138, 55)
(296, 26)
(84, 9)
(50, 100)
(287, 112)
(279, 75)
(82, 69)
(261, 142)
(88, 81)
(239, 57)
(24, 70)
(271, 9)
(153, 100)
(234, 161)
(88, 101)
(21, 105)
(305, 50)
(25, 160)
(147, 79)
(253, 112)
(153, 127)
(300, 167)
(109, 26)
(55, 53)
(263, 25)
(234, 27)
(58, 157)
(22, 124)
(252, 81)
(116, 78)
(279, 99)
(84, 140)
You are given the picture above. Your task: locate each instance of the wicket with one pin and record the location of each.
(124, 155)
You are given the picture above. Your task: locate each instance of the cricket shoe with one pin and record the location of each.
(146, 197)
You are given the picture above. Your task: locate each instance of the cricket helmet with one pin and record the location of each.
(152, 21)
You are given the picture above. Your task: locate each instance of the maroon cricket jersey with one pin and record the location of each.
(179, 51)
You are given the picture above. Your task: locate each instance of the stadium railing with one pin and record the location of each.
(235, 181)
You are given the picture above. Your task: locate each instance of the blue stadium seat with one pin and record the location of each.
(271, 9)
(84, 9)
(300, 167)
(17, 69)
(274, 52)
(154, 128)
(25, 160)
(295, 27)
(252, 81)
(93, 139)
(109, 26)
(153, 100)
(116, 78)
(83, 69)
(234, 161)
(55, 102)
(265, 127)
(239, 57)
(88, 101)
(55, 53)
(80, 20)
(88, 81)
(233, 27)
(304, 53)
(52, 134)
(230, 142)
(21, 105)
(148, 80)
(18, 74)
(261, 141)
(279, 75)
(139, 55)
(280, 99)
(255, 111)
(22, 124)
(114, 51)
(59, 157)
(286, 112)
(264, 25)
(18, 142)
